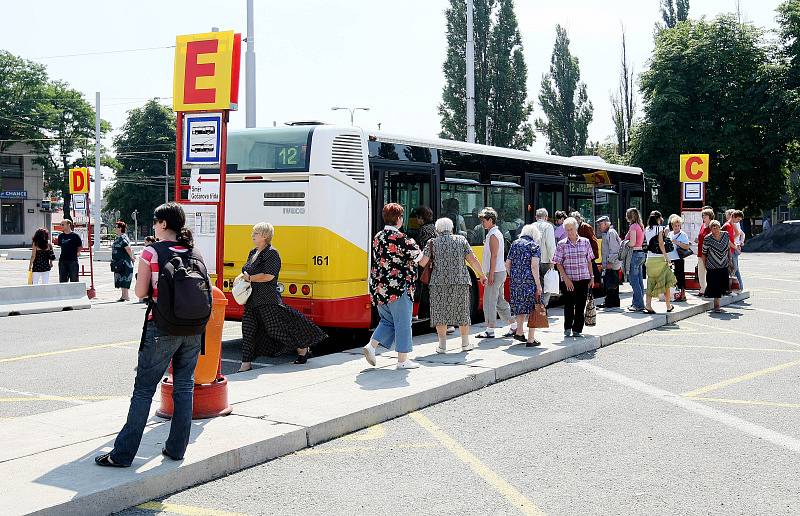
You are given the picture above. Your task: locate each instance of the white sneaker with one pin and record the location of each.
(468, 347)
(369, 354)
(408, 364)
(441, 348)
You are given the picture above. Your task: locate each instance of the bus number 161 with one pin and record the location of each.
(320, 260)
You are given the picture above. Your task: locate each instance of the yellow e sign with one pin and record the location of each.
(79, 180)
(694, 168)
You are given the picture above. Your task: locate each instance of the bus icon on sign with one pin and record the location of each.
(202, 147)
(204, 129)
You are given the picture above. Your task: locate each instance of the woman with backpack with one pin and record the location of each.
(269, 327)
(659, 274)
(42, 257)
(162, 340)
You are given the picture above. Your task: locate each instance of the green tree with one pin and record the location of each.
(146, 139)
(500, 76)
(453, 109)
(712, 88)
(70, 120)
(674, 12)
(623, 103)
(789, 22)
(565, 102)
(509, 108)
(22, 92)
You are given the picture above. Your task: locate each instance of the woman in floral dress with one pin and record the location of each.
(526, 289)
(393, 273)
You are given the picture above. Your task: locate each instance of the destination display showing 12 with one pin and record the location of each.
(290, 156)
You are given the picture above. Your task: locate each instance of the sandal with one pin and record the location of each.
(520, 338)
(105, 461)
(649, 311)
(533, 344)
(485, 335)
(302, 359)
(510, 333)
(671, 308)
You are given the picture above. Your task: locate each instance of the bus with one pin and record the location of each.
(323, 188)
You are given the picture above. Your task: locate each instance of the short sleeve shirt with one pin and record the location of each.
(680, 237)
(449, 252)
(636, 235)
(267, 261)
(522, 251)
(574, 257)
(393, 269)
(69, 244)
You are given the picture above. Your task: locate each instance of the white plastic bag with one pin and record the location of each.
(241, 290)
(551, 282)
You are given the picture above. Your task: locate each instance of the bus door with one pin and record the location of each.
(408, 185)
(548, 192)
(632, 196)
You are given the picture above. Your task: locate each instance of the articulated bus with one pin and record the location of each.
(323, 188)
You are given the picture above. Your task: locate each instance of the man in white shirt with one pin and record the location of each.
(547, 246)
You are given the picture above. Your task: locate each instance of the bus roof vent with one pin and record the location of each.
(347, 156)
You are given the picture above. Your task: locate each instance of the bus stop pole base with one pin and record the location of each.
(210, 399)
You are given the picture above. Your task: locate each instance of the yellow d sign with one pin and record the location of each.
(78, 180)
(694, 168)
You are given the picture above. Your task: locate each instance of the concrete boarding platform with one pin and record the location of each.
(34, 299)
(47, 460)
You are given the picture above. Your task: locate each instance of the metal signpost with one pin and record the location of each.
(81, 218)
(205, 91)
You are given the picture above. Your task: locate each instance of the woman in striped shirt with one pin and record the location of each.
(716, 255)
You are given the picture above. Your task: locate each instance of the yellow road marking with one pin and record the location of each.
(65, 351)
(370, 434)
(749, 402)
(739, 379)
(187, 510)
(508, 491)
(745, 333)
(734, 348)
(58, 398)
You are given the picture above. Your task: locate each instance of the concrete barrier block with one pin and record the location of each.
(32, 299)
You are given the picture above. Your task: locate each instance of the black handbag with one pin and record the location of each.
(683, 253)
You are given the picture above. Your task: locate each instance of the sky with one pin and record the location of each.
(315, 54)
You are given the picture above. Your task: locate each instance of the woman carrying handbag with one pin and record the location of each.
(526, 287)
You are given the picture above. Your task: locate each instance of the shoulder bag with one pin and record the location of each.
(538, 318)
(425, 277)
(591, 311)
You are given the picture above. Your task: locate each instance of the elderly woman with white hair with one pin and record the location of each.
(269, 327)
(573, 258)
(450, 282)
(526, 287)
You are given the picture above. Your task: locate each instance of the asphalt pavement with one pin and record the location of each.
(700, 417)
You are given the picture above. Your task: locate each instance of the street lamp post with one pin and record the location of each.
(351, 110)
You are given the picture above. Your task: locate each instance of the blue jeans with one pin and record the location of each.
(635, 278)
(155, 354)
(735, 257)
(395, 324)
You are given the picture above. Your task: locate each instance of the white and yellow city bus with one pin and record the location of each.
(323, 188)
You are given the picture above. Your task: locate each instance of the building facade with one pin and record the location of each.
(23, 205)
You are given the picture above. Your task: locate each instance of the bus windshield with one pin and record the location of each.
(271, 149)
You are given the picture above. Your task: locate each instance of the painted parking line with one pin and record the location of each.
(187, 510)
(695, 407)
(509, 492)
(750, 402)
(370, 434)
(740, 379)
(765, 310)
(701, 346)
(728, 330)
(65, 351)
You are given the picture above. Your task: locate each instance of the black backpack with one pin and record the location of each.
(183, 306)
(652, 245)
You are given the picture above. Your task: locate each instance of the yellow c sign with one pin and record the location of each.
(694, 168)
(79, 180)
